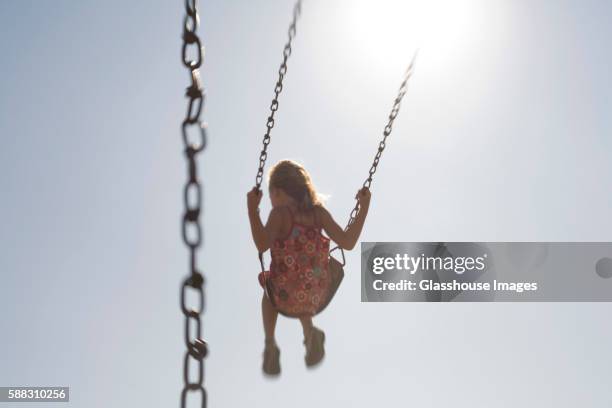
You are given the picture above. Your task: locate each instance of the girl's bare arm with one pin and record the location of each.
(262, 235)
(347, 239)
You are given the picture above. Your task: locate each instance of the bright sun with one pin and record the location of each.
(390, 30)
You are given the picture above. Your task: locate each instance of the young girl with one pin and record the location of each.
(295, 224)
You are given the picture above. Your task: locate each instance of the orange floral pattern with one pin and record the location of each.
(298, 281)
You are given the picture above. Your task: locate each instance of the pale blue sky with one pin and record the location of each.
(504, 135)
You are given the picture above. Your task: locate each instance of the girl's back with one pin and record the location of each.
(299, 278)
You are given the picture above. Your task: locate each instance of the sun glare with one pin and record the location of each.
(391, 31)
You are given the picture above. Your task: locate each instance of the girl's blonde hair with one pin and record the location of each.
(294, 180)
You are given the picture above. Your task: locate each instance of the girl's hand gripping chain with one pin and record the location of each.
(253, 200)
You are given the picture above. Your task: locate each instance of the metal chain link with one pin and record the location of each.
(277, 90)
(383, 143)
(387, 131)
(197, 348)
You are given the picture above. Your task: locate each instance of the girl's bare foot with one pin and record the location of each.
(315, 349)
(271, 359)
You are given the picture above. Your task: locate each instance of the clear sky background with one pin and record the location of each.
(504, 135)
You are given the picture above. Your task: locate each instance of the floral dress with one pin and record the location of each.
(298, 283)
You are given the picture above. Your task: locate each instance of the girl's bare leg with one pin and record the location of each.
(269, 315)
(306, 325)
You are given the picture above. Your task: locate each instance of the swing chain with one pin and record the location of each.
(381, 146)
(192, 197)
(282, 71)
(387, 131)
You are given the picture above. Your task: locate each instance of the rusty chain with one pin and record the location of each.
(381, 146)
(277, 90)
(192, 198)
(387, 131)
